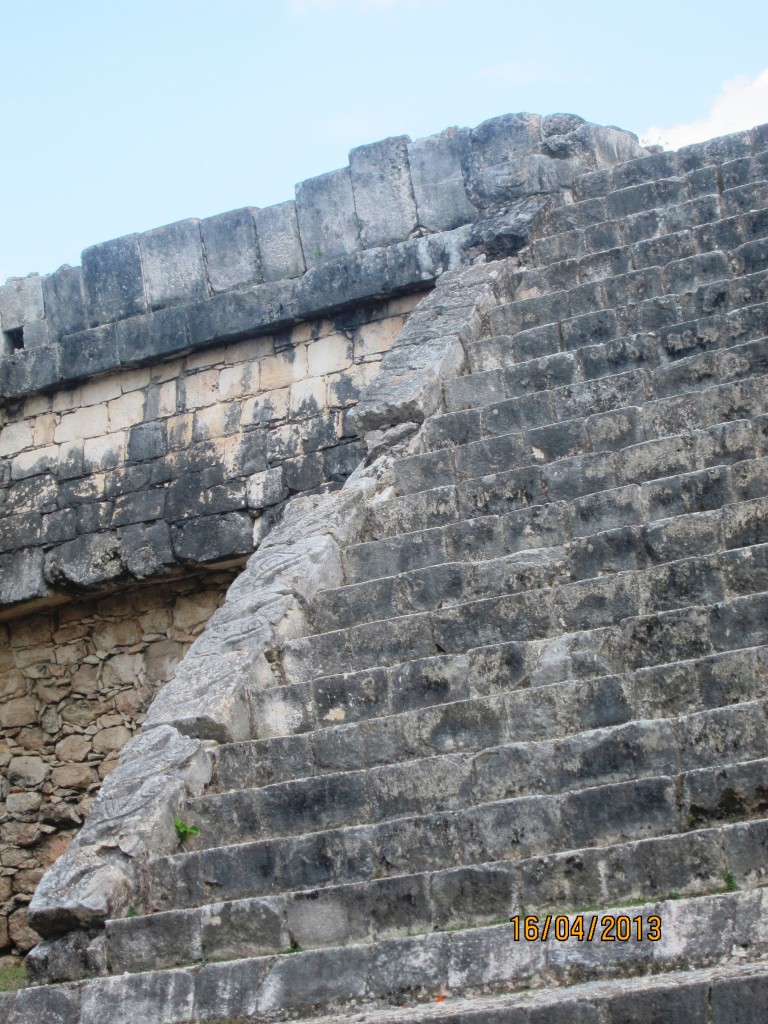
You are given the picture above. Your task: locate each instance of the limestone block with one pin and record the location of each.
(172, 264)
(73, 748)
(381, 182)
(216, 421)
(104, 453)
(231, 251)
(376, 337)
(87, 561)
(112, 280)
(236, 381)
(328, 355)
(496, 148)
(21, 576)
(266, 488)
(82, 423)
(44, 427)
(283, 368)
(161, 659)
(21, 934)
(201, 389)
(210, 538)
(328, 224)
(125, 411)
(194, 610)
(280, 251)
(267, 408)
(21, 301)
(64, 301)
(160, 333)
(146, 549)
(438, 165)
(33, 463)
(16, 436)
(73, 776)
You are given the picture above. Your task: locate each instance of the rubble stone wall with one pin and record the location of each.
(75, 683)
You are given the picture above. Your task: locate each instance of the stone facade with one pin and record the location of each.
(129, 475)
(75, 685)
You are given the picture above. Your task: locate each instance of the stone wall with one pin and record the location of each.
(130, 474)
(74, 687)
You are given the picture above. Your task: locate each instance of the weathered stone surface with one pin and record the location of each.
(280, 249)
(21, 301)
(328, 224)
(438, 169)
(381, 182)
(231, 249)
(172, 264)
(112, 280)
(132, 815)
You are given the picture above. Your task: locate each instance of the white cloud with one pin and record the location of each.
(742, 103)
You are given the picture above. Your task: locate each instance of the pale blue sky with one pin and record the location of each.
(122, 115)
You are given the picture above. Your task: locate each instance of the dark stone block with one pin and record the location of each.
(185, 497)
(739, 1000)
(142, 338)
(21, 531)
(64, 301)
(304, 473)
(231, 250)
(146, 549)
(21, 576)
(342, 460)
(112, 280)
(209, 538)
(27, 372)
(139, 507)
(236, 314)
(146, 441)
(89, 352)
(94, 516)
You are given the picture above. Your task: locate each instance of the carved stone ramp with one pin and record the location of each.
(524, 688)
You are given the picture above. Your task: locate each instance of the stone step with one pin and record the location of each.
(462, 446)
(477, 977)
(676, 459)
(488, 770)
(726, 525)
(443, 704)
(516, 829)
(682, 865)
(697, 404)
(600, 614)
(627, 299)
(722, 153)
(542, 347)
(624, 545)
(505, 379)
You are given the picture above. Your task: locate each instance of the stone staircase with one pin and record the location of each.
(542, 688)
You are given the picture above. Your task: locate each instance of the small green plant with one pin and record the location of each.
(183, 830)
(12, 976)
(131, 912)
(730, 882)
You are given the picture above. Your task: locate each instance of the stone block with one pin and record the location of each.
(43, 1005)
(172, 264)
(113, 281)
(146, 441)
(85, 562)
(21, 576)
(89, 352)
(437, 166)
(64, 301)
(383, 194)
(146, 549)
(328, 224)
(497, 148)
(231, 250)
(27, 372)
(161, 333)
(209, 538)
(82, 423)
(280, 250)
(21, 302)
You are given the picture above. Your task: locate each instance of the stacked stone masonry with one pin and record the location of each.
(515, 666)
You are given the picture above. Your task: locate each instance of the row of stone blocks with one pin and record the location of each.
(439, 756)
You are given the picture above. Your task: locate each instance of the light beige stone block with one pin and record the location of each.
(307, 397)
(15, 437)
(329, 355)
(102, 452)
(166, 398)
(38, 460)
(44, 428)
(241, 379)
(82, 423)
(64, 400)
(180, 431)
(216, 420)
(126, 411)
(283, 368)
(103, 390)
(201, 389)
(377, 337)
(270, 407)
(131, 380)
(36, 404)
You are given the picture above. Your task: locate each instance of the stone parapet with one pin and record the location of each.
(393, 220)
